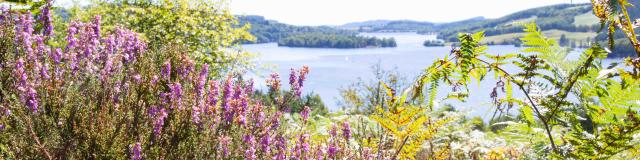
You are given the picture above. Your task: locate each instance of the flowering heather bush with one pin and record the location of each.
(106, 96)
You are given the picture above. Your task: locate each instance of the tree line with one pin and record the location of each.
(319, 40)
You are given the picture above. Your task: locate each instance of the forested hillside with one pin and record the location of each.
(563, 17)
(267, 31)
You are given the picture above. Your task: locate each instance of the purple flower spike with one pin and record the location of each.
(136, 152)
(305, 113)
(46, 19)
(56, 56)
(265, 144)
(292, 77)
(176, 95)
(96, 26)
(332, 151)
(202, 79)
(224, 144)
(274, 82)
(346, 130)
(166, 71)
(32, 102)
(159, 114)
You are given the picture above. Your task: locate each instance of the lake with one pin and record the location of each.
(332, 69)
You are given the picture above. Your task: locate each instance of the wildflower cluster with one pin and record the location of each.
(108, 93)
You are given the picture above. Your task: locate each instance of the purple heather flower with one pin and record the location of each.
(281, 146)
(27, 42)
(116, 93)
(137, 78)
(166, 98)
(109, 46)
(212, 98)
(297, 83)
(20, 72)
(224, 144)
(32, 102)
(320, 153)
(332, 151)
(166, 71)
(305, 113)
(292, 77)
(275, 122)
(96, 26)
(106, 70)
(274, 82)
(44, 71)
(71, 33)
(346, 130)
(136, 151)
(46, 19)
(333, 131)
(303, 144)
(3, 13)
(26, 21)
(303, 74)
(259, 118)
(154, 80)
(265, 143)
(186, 68)
(226, 100)
(56, 56)
(176, 95)
(202, 79)
(195, 114)
(250, 153)
(159, 114)
(41, 48)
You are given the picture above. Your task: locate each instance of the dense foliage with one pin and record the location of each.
(320, 40)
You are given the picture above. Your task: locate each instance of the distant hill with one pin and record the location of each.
(357, 25)
(562, 17)
(403, 25)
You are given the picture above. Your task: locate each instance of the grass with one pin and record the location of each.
(554, 34)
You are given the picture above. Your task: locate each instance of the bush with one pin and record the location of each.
(105, 96)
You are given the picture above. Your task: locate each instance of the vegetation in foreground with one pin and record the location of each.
(94, 93)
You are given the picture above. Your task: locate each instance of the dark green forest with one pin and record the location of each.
(320, 40)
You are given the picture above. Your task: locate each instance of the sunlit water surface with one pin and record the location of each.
(332, 69)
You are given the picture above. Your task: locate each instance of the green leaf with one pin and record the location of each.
(527, 114)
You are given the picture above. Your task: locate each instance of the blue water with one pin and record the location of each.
(332, 69)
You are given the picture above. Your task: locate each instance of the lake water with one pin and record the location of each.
(332, 69)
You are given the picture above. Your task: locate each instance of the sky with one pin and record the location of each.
(337, 12)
